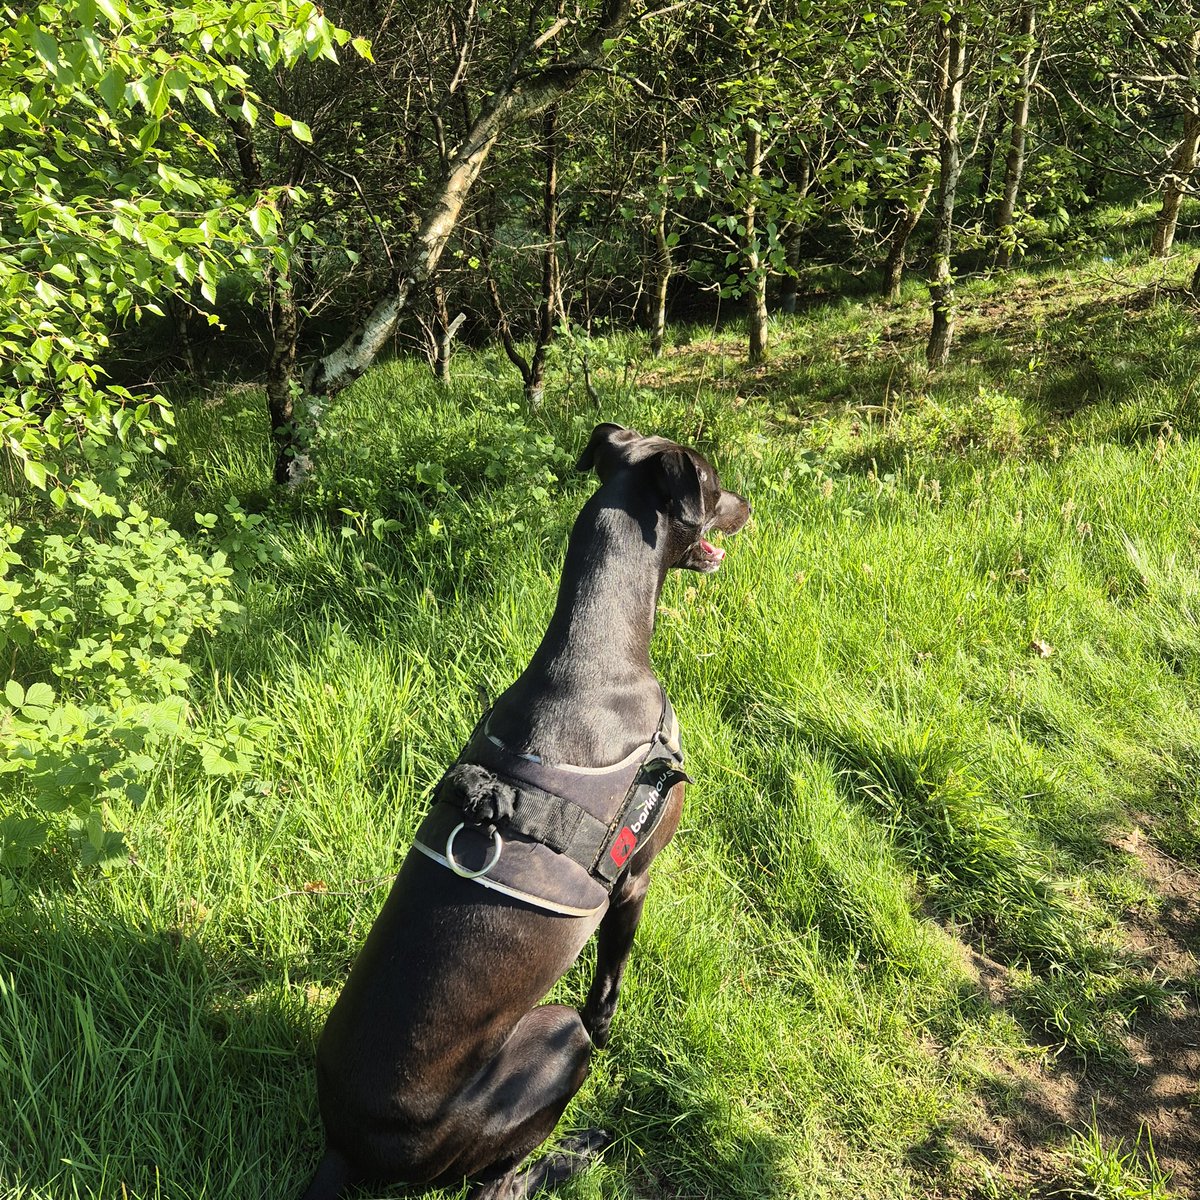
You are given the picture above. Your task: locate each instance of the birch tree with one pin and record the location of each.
(549, 59)
(951, 64)
(1014, 162)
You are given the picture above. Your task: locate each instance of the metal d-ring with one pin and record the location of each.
(458, 870)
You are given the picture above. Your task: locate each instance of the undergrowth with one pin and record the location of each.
(956, 650)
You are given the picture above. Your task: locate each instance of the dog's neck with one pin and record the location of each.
(589, 695)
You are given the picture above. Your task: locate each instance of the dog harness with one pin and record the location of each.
(564, 834)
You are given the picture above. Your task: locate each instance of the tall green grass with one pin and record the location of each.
(956, 649)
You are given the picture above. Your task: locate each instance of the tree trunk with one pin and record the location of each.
(791, 278)
(520, 97)
(662, 264)
(535, 384)
(987, 155)
(442, 335)
(503, 325)
(662, 282)
(1182, 167)
(907, 218)
(789, 288)
(756, 267)
(1014, 164)
(290, 451)
(1099, 144)
(941, 287)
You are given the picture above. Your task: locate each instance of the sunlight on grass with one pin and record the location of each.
(957, 647)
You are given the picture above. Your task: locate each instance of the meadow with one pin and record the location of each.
(927, 927)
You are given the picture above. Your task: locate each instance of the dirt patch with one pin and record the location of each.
(1034, 1108)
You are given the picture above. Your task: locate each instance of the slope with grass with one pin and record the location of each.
(953, 660)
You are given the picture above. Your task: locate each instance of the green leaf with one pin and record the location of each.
(19, 837)
(111, 87)
(48, 295)
(14, 693)
(214, 761)
(301, 132)
(262, 221)
(176, 82)
(104, 849)
(205, 97)
(35, 472)
(363, 46)
(45, 47)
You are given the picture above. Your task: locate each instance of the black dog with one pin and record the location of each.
(437, 1062)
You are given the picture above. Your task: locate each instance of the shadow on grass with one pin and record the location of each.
(141, 1061)
(1033, 1109)
(137, 1061)
(1079, 350)
(980, 870)
(688, 1139)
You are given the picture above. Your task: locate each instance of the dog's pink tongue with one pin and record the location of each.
(713, 552)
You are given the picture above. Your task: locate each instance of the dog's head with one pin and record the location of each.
(683, 483)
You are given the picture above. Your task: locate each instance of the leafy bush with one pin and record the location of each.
(110, 615)
(71, 759)
(107, 610)
(239, 538)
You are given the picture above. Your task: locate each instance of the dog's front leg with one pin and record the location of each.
(617, 930)
(614, 941)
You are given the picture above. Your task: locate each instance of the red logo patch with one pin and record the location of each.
(624, 846)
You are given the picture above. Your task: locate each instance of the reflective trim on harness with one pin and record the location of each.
(493, 885)
(596, 817)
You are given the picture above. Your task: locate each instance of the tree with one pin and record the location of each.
(112, 198)
(551, 57)
(951, 64)
(1014, 163)
(1143, 90)
(774, 133)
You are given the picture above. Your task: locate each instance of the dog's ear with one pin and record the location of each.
(678, 478)
(607, 449)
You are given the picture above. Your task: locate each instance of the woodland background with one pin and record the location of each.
(305, 315)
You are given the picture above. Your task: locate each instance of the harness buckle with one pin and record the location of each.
(461, 870)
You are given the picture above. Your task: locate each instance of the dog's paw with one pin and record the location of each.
(480, 794)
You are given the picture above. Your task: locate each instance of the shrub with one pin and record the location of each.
(106, 610)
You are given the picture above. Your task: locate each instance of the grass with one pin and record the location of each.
(958, 648)
(1102, 1170)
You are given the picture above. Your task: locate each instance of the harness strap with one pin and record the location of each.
(557, 822)
(617, 807)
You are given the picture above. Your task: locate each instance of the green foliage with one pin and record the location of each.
(238, 538)
(108, 608)
(115, 116)
(111, 614)
(1103, 1169)
(892, 778)
(77, 760)
(114, 196)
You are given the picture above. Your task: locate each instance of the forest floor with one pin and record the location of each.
(931, 925)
